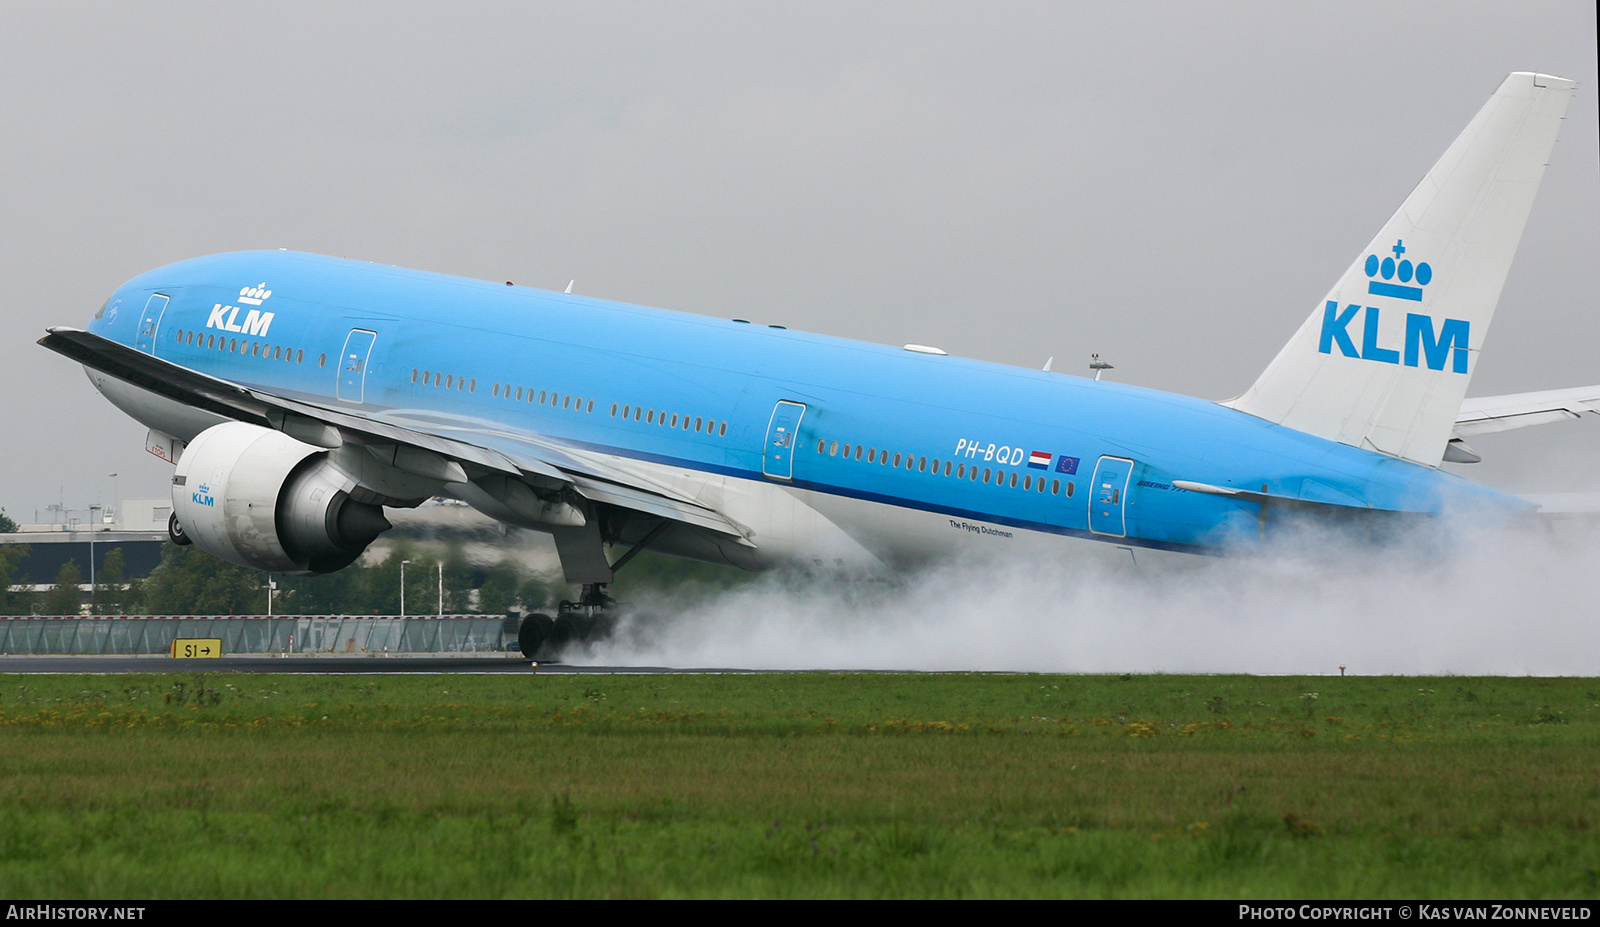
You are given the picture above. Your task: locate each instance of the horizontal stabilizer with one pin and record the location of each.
(1488, 414)
(1566, 503)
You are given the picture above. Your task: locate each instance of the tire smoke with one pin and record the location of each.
(1514, 601)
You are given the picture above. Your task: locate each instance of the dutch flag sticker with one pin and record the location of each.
(1039, 460)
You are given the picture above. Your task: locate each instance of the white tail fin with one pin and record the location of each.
(1383, 362)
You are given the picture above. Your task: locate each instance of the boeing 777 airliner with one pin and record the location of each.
(299, 395)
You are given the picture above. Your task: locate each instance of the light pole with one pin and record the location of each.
(94, 588)
(403, 587)
(441, 590)
(116, 498)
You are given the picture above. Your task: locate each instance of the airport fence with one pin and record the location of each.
(333, 634)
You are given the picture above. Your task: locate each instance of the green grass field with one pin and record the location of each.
(799, 785)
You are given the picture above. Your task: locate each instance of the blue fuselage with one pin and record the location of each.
(977, 442)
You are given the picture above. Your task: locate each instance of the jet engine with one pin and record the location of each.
(261, 499)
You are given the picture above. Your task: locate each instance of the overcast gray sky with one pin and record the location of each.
(1173, 185)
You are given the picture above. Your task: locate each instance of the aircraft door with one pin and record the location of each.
(353, 365)
(145, 339)
(782, 433)
(1108, 496)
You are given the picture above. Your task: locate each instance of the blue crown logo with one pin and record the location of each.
(1397, 267)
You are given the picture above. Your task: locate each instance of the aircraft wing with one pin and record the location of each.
(1488, 414)
(444, 448)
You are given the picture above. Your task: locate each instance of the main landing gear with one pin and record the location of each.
(592, 618)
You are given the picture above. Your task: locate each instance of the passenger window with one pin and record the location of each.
(833, 449)
(986, 474)
(723, 429)
(858, 452)
(961, 472)
(897, 460)
(822, 445)
(322, 360)
(947, 468)
(1055, 487)
(922, 464)
(650, 417)
(1027, 482)
(697, 421)
(495, 393)
(233, 346)
(472, 385)
(589, 409)
(1013, 481)
(637, 412)
(1069, 489)
(450, 381)
(300, 355)
(413, 374)
(613, 410)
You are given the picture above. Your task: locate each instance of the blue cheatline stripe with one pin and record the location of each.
(898, 501)
(1394, 289)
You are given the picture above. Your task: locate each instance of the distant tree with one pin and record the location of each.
(65, 598)
(341, 593)
(190, 581)
(459, 584)
(11, 555)
(651, 571)
(535, 594)
(499, 590)
(7, 526)
(113, 595)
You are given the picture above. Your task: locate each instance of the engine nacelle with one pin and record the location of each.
(261, 499)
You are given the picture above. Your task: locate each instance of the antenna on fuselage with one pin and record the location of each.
(569, 286)
(1048, 363)
(1098, 366)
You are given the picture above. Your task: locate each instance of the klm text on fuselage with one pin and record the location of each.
(1422, 341)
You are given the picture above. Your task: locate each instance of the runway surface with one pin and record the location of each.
(322, 665)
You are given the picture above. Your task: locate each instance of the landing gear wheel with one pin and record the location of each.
(600, 628)
(534, 634)
(175, 531)
(568, 628)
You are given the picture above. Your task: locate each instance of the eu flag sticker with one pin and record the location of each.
(1067, 465)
